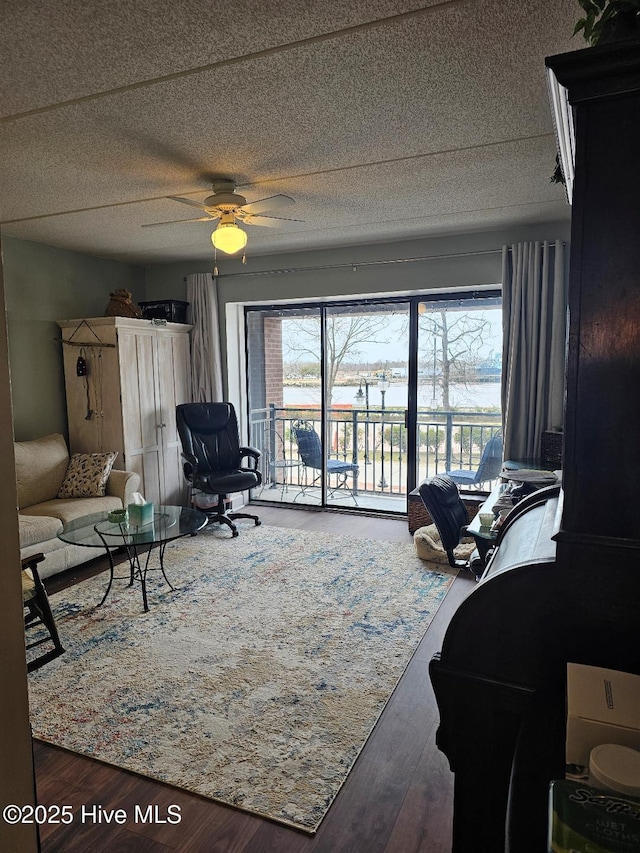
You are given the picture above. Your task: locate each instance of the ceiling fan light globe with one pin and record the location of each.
(229, 238)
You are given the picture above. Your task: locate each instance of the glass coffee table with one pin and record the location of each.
(169, 523)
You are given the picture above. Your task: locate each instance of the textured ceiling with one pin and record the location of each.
(384, 119)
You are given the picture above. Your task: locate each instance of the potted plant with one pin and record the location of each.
(609, 20)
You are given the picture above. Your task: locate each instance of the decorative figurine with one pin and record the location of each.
(121, 305)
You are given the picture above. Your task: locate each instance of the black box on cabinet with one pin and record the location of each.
(171, 310)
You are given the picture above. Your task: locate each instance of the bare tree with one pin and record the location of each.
(458, 342)
(344, 337)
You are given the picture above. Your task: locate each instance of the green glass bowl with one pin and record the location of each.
(118, 516)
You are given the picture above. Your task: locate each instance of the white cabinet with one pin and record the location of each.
(122, 395)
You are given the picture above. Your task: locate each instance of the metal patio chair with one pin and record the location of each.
(310, 450)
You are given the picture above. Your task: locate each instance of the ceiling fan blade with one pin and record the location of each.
(175, 221)
(269, 221)
(274, 202)
(187, 201)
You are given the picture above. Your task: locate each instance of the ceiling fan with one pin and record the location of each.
(228, 206)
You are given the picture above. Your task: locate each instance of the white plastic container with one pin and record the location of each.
(614, 767)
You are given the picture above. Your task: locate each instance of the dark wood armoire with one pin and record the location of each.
(564, 584)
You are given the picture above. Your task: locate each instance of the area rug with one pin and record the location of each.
(257, 682)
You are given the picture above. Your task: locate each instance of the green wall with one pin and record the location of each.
(42, 285)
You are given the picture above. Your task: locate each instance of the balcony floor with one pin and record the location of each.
(311, 497)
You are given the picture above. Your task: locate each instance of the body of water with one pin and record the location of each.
(479, 395)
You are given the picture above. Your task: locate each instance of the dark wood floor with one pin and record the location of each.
(397, 798)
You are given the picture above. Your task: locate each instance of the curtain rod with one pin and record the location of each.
(355, 264)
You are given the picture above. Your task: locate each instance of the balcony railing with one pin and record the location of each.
(375, 440)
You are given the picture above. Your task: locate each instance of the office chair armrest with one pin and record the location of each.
(250, 453)
(190, 466)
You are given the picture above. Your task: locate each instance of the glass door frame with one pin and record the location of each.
(413, 301)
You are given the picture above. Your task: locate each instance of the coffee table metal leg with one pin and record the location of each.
(136, 569)
(111, 571)
(138, 572)
(143, 572)
(163, 545)
(132, 564)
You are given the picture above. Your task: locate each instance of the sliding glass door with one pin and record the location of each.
(285, 395)
(458, 388)
(327, 389)
(353, 403)
(366, 377)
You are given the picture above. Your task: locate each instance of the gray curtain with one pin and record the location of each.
(206, 372)
(534, 322)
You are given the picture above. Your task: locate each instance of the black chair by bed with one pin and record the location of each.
(441, 497)
(213, 457)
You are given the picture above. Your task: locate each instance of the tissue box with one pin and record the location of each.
(602, 707)
(140, 514)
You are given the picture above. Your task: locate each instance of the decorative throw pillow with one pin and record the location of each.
(87, 475)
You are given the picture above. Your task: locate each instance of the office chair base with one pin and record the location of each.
(229, 517)
(255, 518)
(474, 565)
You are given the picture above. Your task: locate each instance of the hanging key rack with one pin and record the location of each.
(91, 375)
(97, 343)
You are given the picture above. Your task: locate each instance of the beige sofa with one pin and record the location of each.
(41, 466)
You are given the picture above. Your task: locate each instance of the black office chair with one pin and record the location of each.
(213, 457)
(441, 497)
(36, 603)
(310, 450)
(488, 469)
